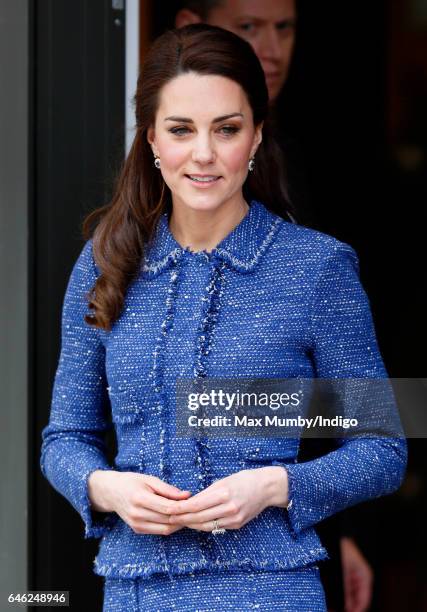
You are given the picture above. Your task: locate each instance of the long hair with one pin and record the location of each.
(121, 229)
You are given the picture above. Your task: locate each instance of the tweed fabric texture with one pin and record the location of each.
(272, 300)
(297, 590)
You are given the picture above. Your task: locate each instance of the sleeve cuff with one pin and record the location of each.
(359, 470)
(95, 523)
(290, 508)
(70, 478)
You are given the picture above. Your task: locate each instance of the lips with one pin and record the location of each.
(203, 177)
(203, 180)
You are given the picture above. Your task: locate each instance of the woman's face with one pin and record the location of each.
(204, 135)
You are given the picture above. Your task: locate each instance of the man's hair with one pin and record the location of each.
(201, 7)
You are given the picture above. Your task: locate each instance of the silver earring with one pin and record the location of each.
(157, 161)
(251, 164)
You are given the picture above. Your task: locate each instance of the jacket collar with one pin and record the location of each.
(241, 249)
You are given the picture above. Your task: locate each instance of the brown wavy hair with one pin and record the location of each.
(121, 228)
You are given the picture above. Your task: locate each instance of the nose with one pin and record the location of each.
(270, 46)
(203, 151)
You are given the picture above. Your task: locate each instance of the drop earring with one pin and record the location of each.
(157, 161)
(251, 164)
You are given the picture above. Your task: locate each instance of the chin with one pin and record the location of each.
(203, 201)
(203, 204)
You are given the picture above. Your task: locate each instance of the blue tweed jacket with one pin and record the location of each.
(272, 300)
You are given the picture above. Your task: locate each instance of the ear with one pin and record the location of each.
(257, 138)
(151, 138)
(185, 17)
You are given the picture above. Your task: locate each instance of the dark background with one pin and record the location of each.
(353, 122)
(77, 135)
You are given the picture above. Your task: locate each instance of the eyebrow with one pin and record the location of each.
(259, 20)
(216, 120)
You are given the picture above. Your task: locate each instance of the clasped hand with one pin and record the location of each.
(160, 508)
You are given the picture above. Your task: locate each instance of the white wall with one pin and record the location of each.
(132, 67)
(13, 297)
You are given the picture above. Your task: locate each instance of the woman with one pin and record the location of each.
(189, 274)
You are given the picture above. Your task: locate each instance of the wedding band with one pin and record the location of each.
(216, 528)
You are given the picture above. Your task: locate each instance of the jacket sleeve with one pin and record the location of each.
(73, 441)
(344, 346)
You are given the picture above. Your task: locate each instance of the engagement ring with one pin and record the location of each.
(216, 528)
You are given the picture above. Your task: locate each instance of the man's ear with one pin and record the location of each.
(185, 17)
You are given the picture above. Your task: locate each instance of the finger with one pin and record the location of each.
(207, 498)
(163, 488)
(348, 595)
(153, 517)
(155, 502)
(155, 528)
(205, 515)
(209, 526)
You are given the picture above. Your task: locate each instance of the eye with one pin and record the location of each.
(286, 26)
(246, 27)
(179, 131)
(229, 130)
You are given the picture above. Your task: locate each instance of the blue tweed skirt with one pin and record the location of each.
(297, 590)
